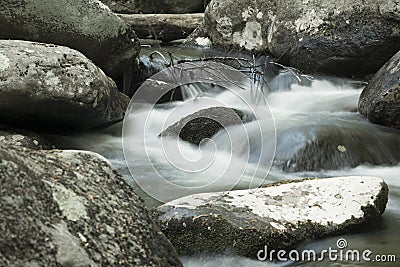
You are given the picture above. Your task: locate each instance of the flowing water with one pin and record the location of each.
(318, 134)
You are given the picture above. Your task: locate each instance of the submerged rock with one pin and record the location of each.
(346, 38)
(205, 124)
(279, 216)
(157, 6)
(380, 100)
(323, 142)
(70, 208)
(87, 26)
(52, 87)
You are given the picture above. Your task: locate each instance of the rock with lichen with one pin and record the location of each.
(53, 87)
(279, 216)
(71, 208)
(380, 100)
(88, 26)
(346, 38)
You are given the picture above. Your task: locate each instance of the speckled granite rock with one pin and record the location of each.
(24, 138)
(351, 38)
(380, 100)
(279, 216)
(70, 208)
(52, 87)
(85, 25)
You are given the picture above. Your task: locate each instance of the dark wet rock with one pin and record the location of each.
(380, 100)
(24, 138)
(329, 143)
(52, 87)
(205, 124)
(144, 69)
(87, 26)
(280, 216)
(346, 38)
(156, 6)
(70, 208)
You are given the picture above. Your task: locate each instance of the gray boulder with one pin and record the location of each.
(279, 216)
(347, 38)
(24, 138)
(380, 100)
(156, 6)
(205, 124)
(87, 26)
(70, 208)
(46, 86)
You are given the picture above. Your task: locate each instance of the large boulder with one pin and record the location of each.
(70, 208)
(380, 100)
(280, 216)
(85, 25)
(347, 38)
(46, 86)
(205, 124)
(156, 6)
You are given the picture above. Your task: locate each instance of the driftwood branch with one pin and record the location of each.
(164, 27)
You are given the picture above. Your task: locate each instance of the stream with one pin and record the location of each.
(319, 133)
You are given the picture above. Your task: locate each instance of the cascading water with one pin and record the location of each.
(318, 134)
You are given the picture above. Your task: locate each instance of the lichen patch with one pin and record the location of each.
(4, 62)
(71, 205)
(250, 37)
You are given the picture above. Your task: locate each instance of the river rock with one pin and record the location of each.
(53, 87)
(346, 38)
(380, 100)
(315, 143)
(70, 208)
(85, 25)
(205, 124)
(279, 216)
(24, 138)
(156, 6)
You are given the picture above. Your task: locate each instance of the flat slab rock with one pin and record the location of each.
(279, 216)
(70, 208)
